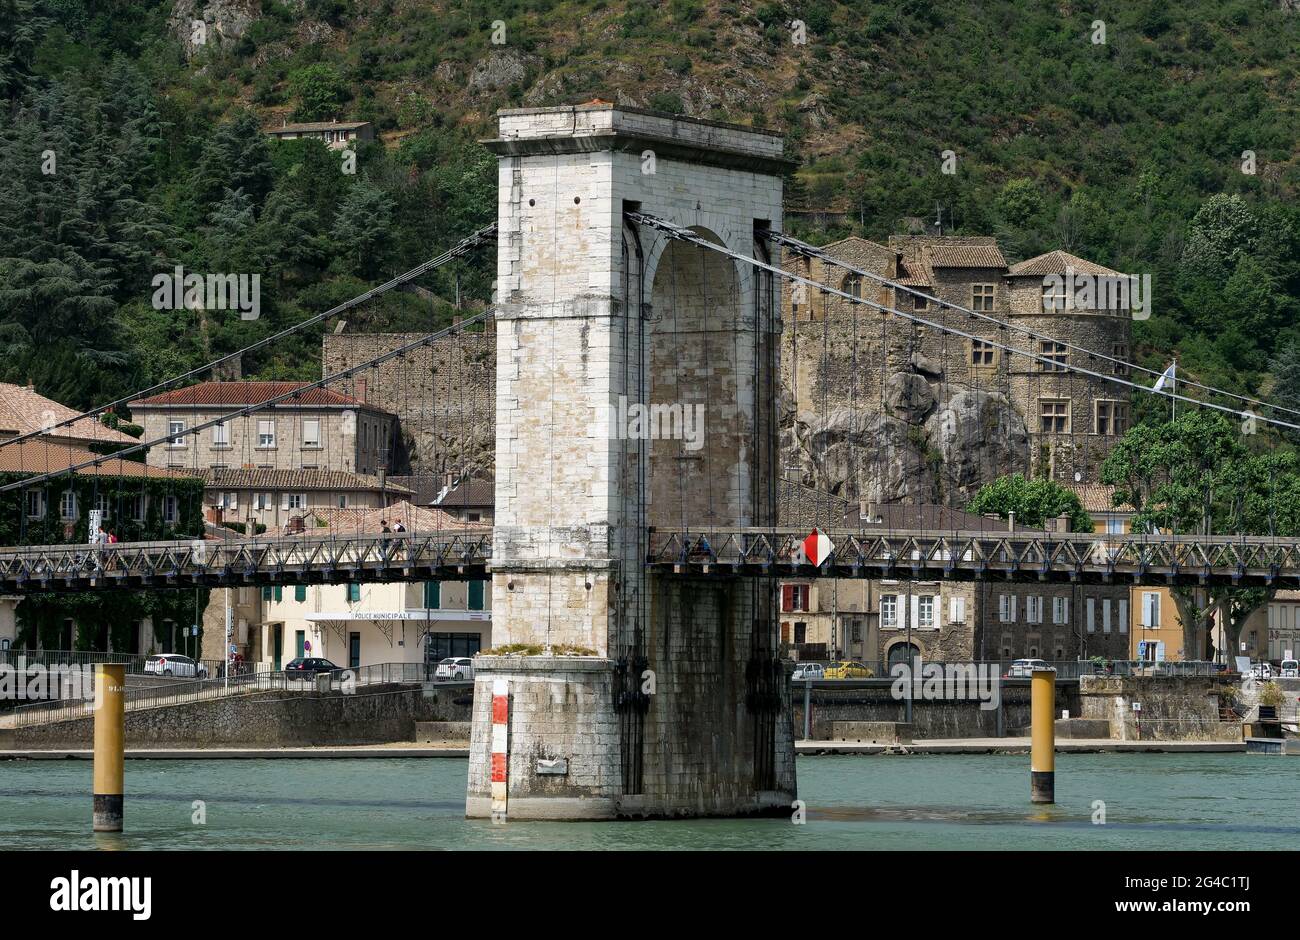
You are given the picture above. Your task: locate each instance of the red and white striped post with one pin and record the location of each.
(500, 732)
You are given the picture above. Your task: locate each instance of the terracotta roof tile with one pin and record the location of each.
(22, 410)
(1098, 497)
(1057, 262)
(38, 457)
(367, 521)
(259, 479)
(965, 256)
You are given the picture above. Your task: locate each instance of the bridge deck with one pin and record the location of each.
(898, 554)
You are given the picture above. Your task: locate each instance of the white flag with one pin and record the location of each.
(1166, 376)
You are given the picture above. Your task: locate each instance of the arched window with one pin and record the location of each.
(853, 286)
(903, 653)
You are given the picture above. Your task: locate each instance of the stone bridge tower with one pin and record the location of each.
(674, 703)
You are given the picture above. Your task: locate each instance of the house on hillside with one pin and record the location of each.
(336, 135)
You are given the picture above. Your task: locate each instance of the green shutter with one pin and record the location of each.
(300, 592)
(476, 595)
(354, 592)
(433, 594)
(279, 593)
(266, 593)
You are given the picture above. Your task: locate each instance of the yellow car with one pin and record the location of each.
(848, 670)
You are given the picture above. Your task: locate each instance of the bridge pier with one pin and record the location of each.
(629, 693)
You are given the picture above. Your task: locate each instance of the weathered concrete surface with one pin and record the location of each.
(375, 714)
(1172, 707)
(872, 732)
(246, 753)
(1018, 746)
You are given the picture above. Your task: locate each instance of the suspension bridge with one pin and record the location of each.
(650, 555)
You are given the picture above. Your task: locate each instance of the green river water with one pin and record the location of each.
(1152, 802)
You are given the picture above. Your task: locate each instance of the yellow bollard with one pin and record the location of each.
(1042, 763)
(110, 726)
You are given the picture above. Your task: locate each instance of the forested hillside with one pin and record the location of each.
(1128, 151)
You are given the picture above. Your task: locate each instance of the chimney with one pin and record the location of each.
(383, 475)
(295, 524)
(1011, 521)
(1063, 522)
(361, 390)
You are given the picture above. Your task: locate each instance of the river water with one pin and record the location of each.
(1152, 802)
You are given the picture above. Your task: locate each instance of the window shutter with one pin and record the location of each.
(284, 500)
(1105, 615)
(1013, 607)
(1123, 616)
(1092, 614)
(234, 500)
(916, 611)
(787, 597)
(956, 610)
(1004, 609)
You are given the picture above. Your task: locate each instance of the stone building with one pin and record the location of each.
(322, 429)
(443, 394)
(879, 408)
(335, 135)
(274, 498)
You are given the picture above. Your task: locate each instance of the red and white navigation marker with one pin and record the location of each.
(500, 728)
(817, 547)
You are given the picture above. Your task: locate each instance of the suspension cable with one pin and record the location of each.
(674, 231)
(460, 248)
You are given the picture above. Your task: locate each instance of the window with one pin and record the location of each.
(1033, 609)
(982, 354)
(1150, 610)
(1119, 351)
(981, 298)
(68, 506)
(1054, 415)
(1055, 296)
(229, 500)
(1114, 526)
(354, 593)
(1110, 417)
(925, 612)
(1123, 616)
(343, 501)
(800, 632)
(432, 594)
(101, 504)
(311, 432)
(35, 504)
(856, 633)
(221, 435)
(294, 501)
(853, 286)
(266, 433)
(176, 433)
(1006, 608)
(475, 595)
(136, 506)
(171, 509)
(919, 302)
(956, 610)
(1052, 356)
(1105, 615)
(794, 597)
(1060, 610)
(889, 610)
(1091, 610)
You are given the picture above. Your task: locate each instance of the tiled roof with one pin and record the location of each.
(249, 393)
(469, 493)
(22, 410)
(1057, 262)
(318, 126)
(965, 256)
(38, 456)
(368, 521)
(298, 480)
(1098, 497)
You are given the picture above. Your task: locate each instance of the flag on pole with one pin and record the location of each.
(1166, 376)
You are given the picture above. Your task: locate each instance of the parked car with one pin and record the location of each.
(1290, 669)
(847, 670)
(172, 664)
(1261, 670)
(455, 669)
(1024, 668)
(303, 667)
(805, 671)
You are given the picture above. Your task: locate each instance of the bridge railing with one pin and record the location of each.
(1065, 669)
